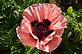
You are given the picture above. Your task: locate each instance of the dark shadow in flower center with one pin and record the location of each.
(40, 29)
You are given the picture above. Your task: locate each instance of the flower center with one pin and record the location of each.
(40, 29)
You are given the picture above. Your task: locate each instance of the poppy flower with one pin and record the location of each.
(42, 26)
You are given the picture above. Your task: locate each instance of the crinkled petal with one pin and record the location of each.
(26, 27)
(30, 30)
(46, 11)
(55, 12)
(23, 26)
(57, 26)
(34, 12)
(64, 22)
(25, 38)
(41, 11)
(59, 23)
(59, 32)
(53, 44)
(47, 39)
(29, 14)
(40, 45)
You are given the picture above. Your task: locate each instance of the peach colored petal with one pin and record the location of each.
(55, 12)
(59, 23)
(30, 30)
(47, 39)
(40, 12)
(25, 38)
(64, 22)
(59, 32)
(26, 27)
(23, 26)
(29, 15)
(57, 26)
(37, 13)
(42, 43)
(45, 7)
(53, 44)
(39, 45)
(56, 21)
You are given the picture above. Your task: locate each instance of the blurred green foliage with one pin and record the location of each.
(72, 37)
(10, 18)
(64, 4)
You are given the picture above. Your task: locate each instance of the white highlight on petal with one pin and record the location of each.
(39, 7)
(17, 29)
(22, 27)
(48, 39)
(17, 32)
(52, 33)
(38, 14)
(28, 11)
(26, 19)
(37, 44)
(65, 26)
(46, 12)
(57, 25)
(47, 48)
(59, 8)
(32, 9)
(18, 36)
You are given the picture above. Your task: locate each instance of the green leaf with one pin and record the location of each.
(70, 10)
